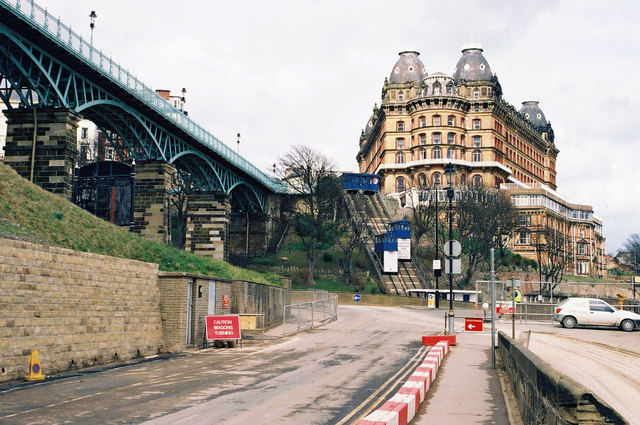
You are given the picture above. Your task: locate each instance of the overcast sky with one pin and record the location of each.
(309, 72)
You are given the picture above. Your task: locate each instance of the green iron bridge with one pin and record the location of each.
(46, 65)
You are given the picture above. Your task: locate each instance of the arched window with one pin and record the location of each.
(436, 120)
(400, 158)
(436, 179)
(400, 126)
(451, 120)
(449, 88)
(436, 89)
(476, 124)
(451, 153)
(400, 143)
(422, 121)
(451, 138)
(477, 180)
(422, 180)
(436, 153)
(436, 138)
(423, 153)
(400, 184)
(477, 155)
(423, 139)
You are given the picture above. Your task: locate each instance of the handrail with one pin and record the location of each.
(64, 36)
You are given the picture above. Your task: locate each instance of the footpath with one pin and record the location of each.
(467, 390)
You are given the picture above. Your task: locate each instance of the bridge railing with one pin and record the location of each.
(41, 19)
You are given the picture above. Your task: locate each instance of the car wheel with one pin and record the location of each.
(569, 322)
(627, 325)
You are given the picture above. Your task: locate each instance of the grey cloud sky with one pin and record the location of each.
(308, 72)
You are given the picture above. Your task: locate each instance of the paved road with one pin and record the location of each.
(319, 376)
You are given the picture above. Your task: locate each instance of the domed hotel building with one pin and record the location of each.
(426, 121)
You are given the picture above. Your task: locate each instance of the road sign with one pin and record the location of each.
(356, 297)
(223, 327)
(457, 266)
(473, 324)
(436, 265)
(452, 248)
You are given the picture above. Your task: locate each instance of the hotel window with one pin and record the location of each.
(422, 121)
(423, 139)
(477, 141)
(436, 153)
(476, 94)
(400, 126)
(423, 153)
(400, 143)
(582, 249)
(400, 96)
(436, 89)
(524, 220)
(436, 138)
(449, 88)
(422, 180)
(451, 153)
(476, 107)
(582, 233)
(523, 237)
(436, 179)
(400, 158)
(451, 120)
(451, 138)
(84, 133)
(109, 154)
(476, 124)
(436, 120)
(477, 155)
(476, 180)
(400, 184)
(399, 109)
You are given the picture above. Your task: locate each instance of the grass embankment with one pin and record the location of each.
(30, 213)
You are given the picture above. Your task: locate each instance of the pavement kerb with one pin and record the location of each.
(403, 406)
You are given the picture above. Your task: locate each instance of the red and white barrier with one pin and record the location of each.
(403, 406)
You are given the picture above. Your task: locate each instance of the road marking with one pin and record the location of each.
(384, 390)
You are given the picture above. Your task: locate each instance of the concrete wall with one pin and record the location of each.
(260, 299)
(77, 309)
(545, 396)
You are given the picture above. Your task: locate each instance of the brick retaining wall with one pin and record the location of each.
(77, 309)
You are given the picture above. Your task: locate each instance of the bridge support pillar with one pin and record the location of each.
(52, 160)
(152, 192)
(208, 225)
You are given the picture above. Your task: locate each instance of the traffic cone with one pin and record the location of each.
(35, 372)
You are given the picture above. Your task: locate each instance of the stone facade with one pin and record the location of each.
(77, 309)
(56, 149)
(208, 225)
(152, 197)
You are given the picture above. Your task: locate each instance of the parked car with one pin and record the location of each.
(594, 312)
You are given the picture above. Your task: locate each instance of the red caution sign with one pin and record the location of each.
(223, 327)
(472, 324)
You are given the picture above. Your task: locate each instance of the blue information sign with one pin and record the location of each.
(356, 297)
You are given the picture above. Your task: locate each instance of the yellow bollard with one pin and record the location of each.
(35, 371)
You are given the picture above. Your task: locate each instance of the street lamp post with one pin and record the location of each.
(92, 25)
(450, 171)
(238, 136)
(437, 272)
(183, 99)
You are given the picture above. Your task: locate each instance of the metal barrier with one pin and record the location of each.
(311, 314)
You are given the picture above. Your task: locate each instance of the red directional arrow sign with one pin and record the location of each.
(472, 324)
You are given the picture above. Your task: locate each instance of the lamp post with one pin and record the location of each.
(92, 25)
(437, 272)
(183, 99)
(238, 136)
(450, 171)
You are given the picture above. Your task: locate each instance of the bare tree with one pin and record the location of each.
(182, 183)
(311, 176)
(349, 239)
(632, 248)
(553, 252)
(485, 219)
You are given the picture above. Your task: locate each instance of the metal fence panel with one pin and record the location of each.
(305, 315)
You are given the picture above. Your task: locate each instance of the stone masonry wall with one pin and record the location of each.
(56, 147)
(208, 225)
(152, 190)
(77, 309)
(546, 396)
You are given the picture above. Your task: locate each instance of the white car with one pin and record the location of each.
(594, 312)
